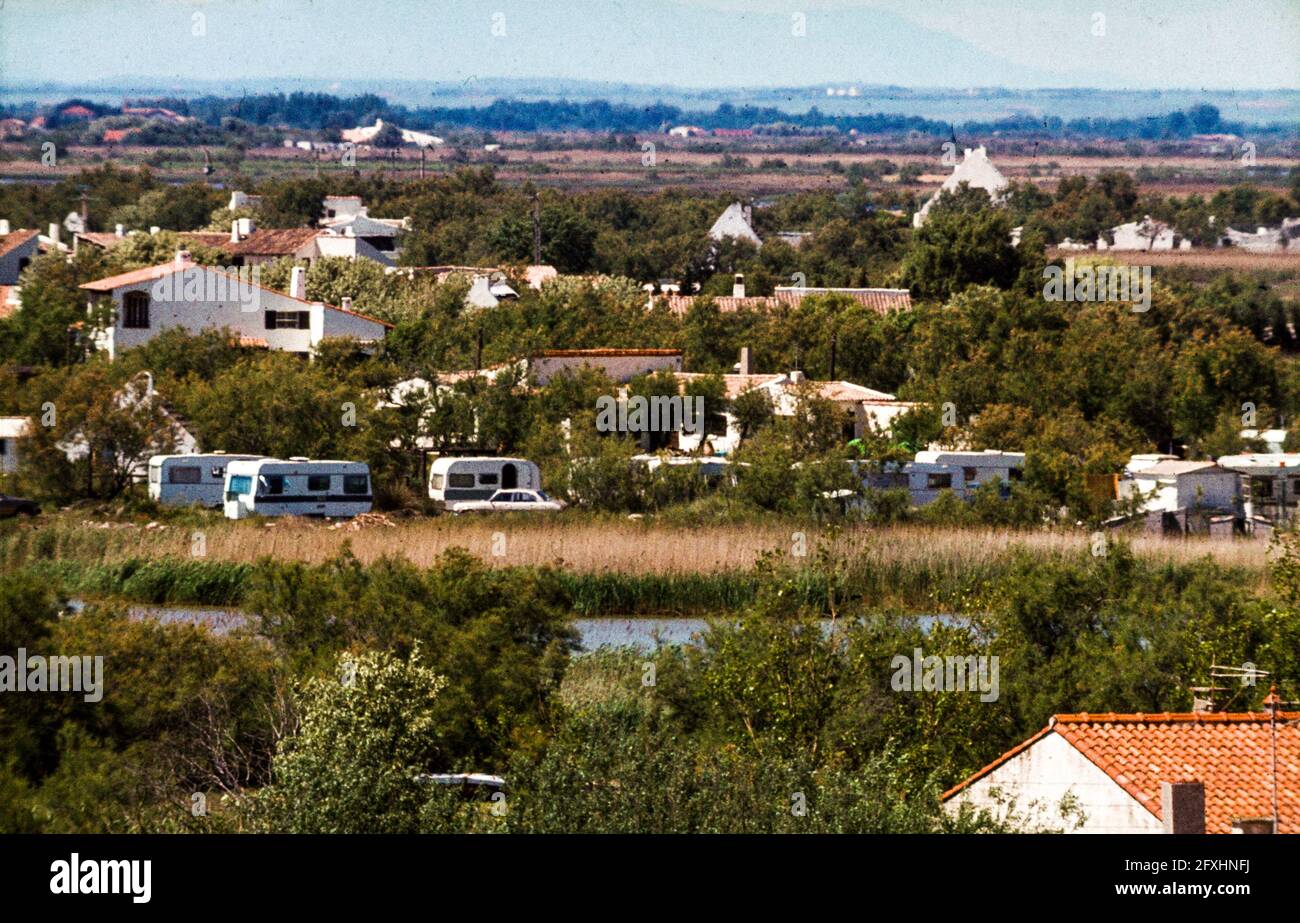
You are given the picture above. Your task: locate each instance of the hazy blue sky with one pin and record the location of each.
(1016, 43)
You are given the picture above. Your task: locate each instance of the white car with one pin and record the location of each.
(509, 501)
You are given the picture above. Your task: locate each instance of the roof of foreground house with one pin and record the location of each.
(1229, 752)
(150, 273)
(15, 239)
(273, 242)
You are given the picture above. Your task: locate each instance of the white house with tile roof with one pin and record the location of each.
(184, 294)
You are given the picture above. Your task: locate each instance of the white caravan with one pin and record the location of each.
(454, 478)
(180, 480)
(297, 487)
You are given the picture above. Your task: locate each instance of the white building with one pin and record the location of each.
(977, 171)
(735, 223)
(1147, 234)
(1131, 774)
(1170, 485)
(364, 134)
(184, 294)
(1272, 486)
(17, 250)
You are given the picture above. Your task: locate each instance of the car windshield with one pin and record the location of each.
(541, 495)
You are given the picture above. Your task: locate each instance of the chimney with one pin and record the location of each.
(246, 226)
(347, 303)
(234, 231)
(182, 257)
(742, 367)
(119, 230)
(4, 225)
(738, 286)
(1182, 807)
(54, 231)
(298, 283)
(796, 376)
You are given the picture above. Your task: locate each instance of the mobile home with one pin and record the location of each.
(181, 480)
(479, 477)
(297, 487)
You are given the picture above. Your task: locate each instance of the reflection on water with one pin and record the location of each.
(594, 633)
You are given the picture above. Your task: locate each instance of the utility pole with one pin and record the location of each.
(422, 149)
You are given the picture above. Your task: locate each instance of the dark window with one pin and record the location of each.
(460, 480)
(274, 483)
(487, 477)
(288, 320)
(135, 310)
(219, 471)
(969, 474)
(509, 476)
(4, 446)
(318, 482)
(938, 481)
(190, 474)
(356, 484)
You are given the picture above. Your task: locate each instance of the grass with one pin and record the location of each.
(610, 566)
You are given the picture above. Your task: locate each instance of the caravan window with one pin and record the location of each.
(155, 471)
(938, 481)
(318, 482)
(274, 483)
(460, 480)
(437, 482)
(240, 484)
(218, 472)
(356, 484)
(487, 477)
(190, 474)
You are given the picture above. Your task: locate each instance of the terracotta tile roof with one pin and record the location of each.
(150, 273)
(135, 276)
(15, 239)
(882, 300)
(602, 353)
(272, 242)
(734, 385)
(1230, 752)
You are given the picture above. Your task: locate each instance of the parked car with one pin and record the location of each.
(18, 506)
(509, 501)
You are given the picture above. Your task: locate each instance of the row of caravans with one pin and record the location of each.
(249, 485)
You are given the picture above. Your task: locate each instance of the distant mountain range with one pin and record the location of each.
(844, 98)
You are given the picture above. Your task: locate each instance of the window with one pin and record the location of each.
(4, 446)
(487, 477)
(1261, 487)
(190, 474)
(436, 481)
(318, 482)
(218, 472)
(938, 481)
(155, 472)
(523, 497)
(460, 480)
(274, 483)
(288, 320)
(356, 484)
(135, 310)
(969, 474)
(239, 484)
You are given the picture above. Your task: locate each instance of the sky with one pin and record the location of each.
(1109, 44)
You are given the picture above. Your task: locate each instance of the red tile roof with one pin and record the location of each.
(882, 300)
(272, 242)
(1229, 752)
(15, 239)
(603, 353)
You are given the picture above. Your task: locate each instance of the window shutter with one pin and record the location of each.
(270, 320)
